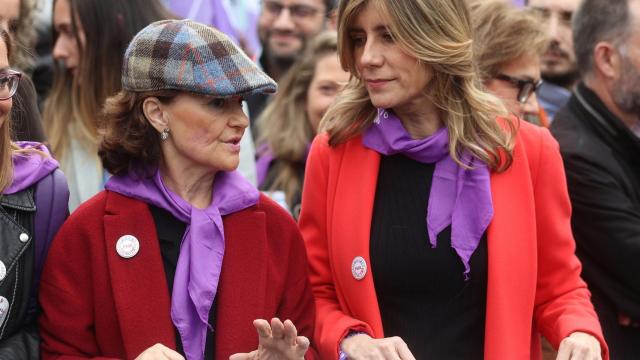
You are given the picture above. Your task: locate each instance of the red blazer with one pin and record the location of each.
(533, 275)
(98, 304)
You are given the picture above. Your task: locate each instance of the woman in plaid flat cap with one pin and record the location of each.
(180, 255)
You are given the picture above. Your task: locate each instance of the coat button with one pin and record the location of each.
(127, 246)
(359, 268)
(24, 237)
(3, 271)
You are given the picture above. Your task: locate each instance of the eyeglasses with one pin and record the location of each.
(9, 81)
(297, 11)
(525, 87)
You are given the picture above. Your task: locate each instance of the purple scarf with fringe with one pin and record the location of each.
(459, 197)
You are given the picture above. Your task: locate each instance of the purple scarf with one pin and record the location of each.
(460, 198)
(30, 167)
(265, 158)
(200, 261)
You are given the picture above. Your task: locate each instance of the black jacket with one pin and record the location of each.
(18, 331)
(602, 161)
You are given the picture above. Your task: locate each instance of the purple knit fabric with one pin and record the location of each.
(30, 167)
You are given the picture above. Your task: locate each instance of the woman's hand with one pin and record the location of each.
(278, 341)
(159, 352)
(363, 346)
(579, 346)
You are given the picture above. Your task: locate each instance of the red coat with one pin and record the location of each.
(98, 304)
(533, 275)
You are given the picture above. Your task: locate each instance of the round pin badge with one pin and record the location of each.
(127, 246)
(359, 268)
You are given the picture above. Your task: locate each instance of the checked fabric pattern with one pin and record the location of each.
(189, 56)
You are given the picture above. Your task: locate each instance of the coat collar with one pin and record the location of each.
(140, 291)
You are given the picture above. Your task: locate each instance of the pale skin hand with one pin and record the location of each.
(276, 341)
(362, 346)
(159, 352)
(579, 346)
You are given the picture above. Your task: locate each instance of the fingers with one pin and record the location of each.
(403, 350)
(170, 354)
(290, 333)
(277, 329)
(303, 345)
(244, 356)
(263, 328)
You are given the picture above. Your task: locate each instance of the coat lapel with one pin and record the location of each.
(512, 262)
(139, 285)
(351, 228)
(243, 282)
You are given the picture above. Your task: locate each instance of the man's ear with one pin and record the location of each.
(607, 60)
(154, 110)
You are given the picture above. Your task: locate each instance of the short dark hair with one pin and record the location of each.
(595, 21)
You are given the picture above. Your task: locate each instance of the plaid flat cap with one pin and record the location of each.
(189, 56)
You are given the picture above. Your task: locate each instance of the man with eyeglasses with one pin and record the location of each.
(599, 135)
(559, 69)
(284, 27)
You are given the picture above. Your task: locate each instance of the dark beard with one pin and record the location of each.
(626, 91)
(566, 80)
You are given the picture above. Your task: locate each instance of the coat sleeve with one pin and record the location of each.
(24, 344)
(562, 302)
(67, 318)
(332, 323)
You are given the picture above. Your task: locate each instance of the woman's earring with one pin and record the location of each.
(164, 135)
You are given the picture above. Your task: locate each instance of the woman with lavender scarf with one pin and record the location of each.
(33, 204)
(436, 227)
(180, 257)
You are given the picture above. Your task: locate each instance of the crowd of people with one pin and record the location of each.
(319, 179)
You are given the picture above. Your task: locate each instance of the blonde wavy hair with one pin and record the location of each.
(284, 124)
(438, 34)
(503, 33)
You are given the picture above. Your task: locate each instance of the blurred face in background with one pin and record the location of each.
(328, 79)
(558, 62)
(68, 43)
(515, 85)
(9, 15)
(284, 26)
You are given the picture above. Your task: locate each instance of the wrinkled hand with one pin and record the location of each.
(159, 352)
(363, 346)
(579, 346)
(277, 341)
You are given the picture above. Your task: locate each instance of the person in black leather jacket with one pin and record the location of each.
(33, 204)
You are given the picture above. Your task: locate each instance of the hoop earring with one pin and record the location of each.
(164, 135)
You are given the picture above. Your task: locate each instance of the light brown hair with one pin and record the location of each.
(438, 34)
(503, 33)
(284, 124)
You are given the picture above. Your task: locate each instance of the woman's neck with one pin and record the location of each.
(420, 118)
(192, 183)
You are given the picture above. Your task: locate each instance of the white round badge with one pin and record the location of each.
(127, 246)
(359, 268)
(3, 271)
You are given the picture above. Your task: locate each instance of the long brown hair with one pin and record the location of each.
(73, 107)
(284, 125)
(6, 146)
(438, 34)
